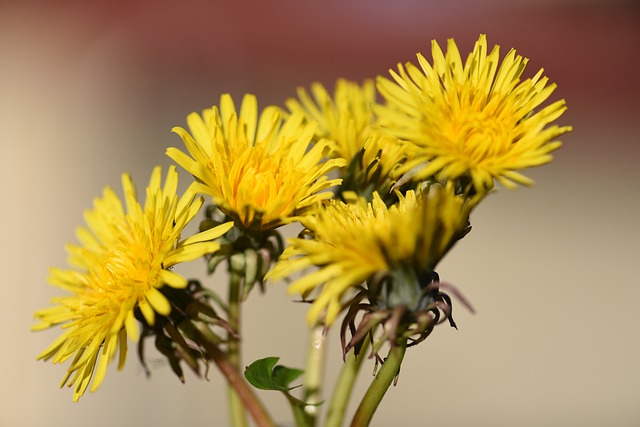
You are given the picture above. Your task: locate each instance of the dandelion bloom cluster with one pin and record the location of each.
(259, 169)
(352, 242)
(123, 261)
(448, 128)
(475, 119)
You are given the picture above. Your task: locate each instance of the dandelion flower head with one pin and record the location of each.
(352, 242)
(259, 169)
(475, 119)
(347, 118)
(124, 259)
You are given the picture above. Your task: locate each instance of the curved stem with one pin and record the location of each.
(344, 386)
(236, 278)
(313, 373)
(239, 385)
(379, 386)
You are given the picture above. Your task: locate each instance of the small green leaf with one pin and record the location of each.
(265, 375)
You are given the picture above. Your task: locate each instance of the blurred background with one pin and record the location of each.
(89, 90)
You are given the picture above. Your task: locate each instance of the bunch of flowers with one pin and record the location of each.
(383, 187)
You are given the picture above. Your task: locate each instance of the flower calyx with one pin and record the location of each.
(181, 335)
(405, 307)
(250, 253)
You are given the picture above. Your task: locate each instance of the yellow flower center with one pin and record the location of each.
(261, 182)
(132, 266)
(477, 135)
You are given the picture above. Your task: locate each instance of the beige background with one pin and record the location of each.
(90, 91)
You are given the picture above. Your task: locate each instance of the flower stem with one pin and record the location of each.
(313, 373)
(236, 278)
(238, 385)
(301, 417)
(344, 386)
(379, 386)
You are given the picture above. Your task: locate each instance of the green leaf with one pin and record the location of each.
(265, 375)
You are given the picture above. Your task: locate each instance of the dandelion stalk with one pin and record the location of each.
(314, 371)
(245, 398)
(236, 279)
(344, 386)
(379, 386)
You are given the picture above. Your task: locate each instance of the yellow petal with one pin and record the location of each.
(158, 301)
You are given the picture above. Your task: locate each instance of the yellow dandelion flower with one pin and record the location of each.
(352, 242)
(347, 118)
(473, 119)
(260, 170)
(124, 259)
(373, 169)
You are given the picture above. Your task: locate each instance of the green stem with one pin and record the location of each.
(379, 386)
(238, 384)
(313, 373)
(344, 386)
(236, 278)
(301, 417)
